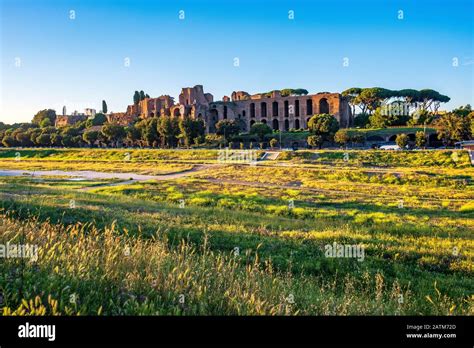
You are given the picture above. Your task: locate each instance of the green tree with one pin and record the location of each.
(43, 114)
(77, 141)
(452, 128)
(142, 95)
(136, 98)
(358, 138)
(287, 92)
(34, 134)
(315, 141)
(361, 120)
(402, 141)
(324, 125)
(191, 129)
(430, 100)
(113, 133)
(273, 143)
(56, 139)
(300, 91)
(342, 137)
(150, 132)
(46, 122)
(380, 120)
(168, 128)
(260, 130)
(463, 111)
(471, 123)
(351, 94)
(90, 137)
(99, 119)
(409, 95)
(44, 140)
(9, 141)
(369, 99)
(420, 139)
(133, 135)
(71, 131)
(421, 117)
(23, 137)
(104, 107)
(227, 128)
(67, 140)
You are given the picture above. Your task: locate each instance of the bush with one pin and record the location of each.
(341, 137)
(315, 141)
(361, 120)
(420, 139)
(402, 141)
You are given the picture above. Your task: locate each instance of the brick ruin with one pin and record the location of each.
(68, 120)
(279, 112)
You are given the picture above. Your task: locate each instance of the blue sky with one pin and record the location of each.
(78, 62)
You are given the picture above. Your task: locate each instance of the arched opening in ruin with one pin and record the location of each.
(286, 108)
(297, 107)
(309, 106)
(243, 113)
(393, 137)
(323, 106)
(263, 109)
(252, 109)
(287, 125)
(214, 116)
(176, 112)
(276, 125)
(264, 121)
(152, 114)
(252, 123)
(275, 108)
(434, 141)
(225, 112)
(297, 124)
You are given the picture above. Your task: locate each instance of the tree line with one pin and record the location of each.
(452, 126)
(381, 107)
(150, 132)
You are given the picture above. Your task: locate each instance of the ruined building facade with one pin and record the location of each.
(279, 112)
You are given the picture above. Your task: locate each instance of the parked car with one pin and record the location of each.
(390, 147)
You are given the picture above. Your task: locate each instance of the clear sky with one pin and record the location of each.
(49, 59)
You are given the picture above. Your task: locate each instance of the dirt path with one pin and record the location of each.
(137, 178)
(128, 178)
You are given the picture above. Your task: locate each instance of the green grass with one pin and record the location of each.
(236, 247)
(109, 154)
(390, 131)
(381, 158)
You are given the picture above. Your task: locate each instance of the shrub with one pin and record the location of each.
(402, 141)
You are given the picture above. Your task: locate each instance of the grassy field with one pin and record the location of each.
(238, 239)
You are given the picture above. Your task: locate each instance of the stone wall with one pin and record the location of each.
(69, 120)
(283, 113)
(280, 113)
(121, 118)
